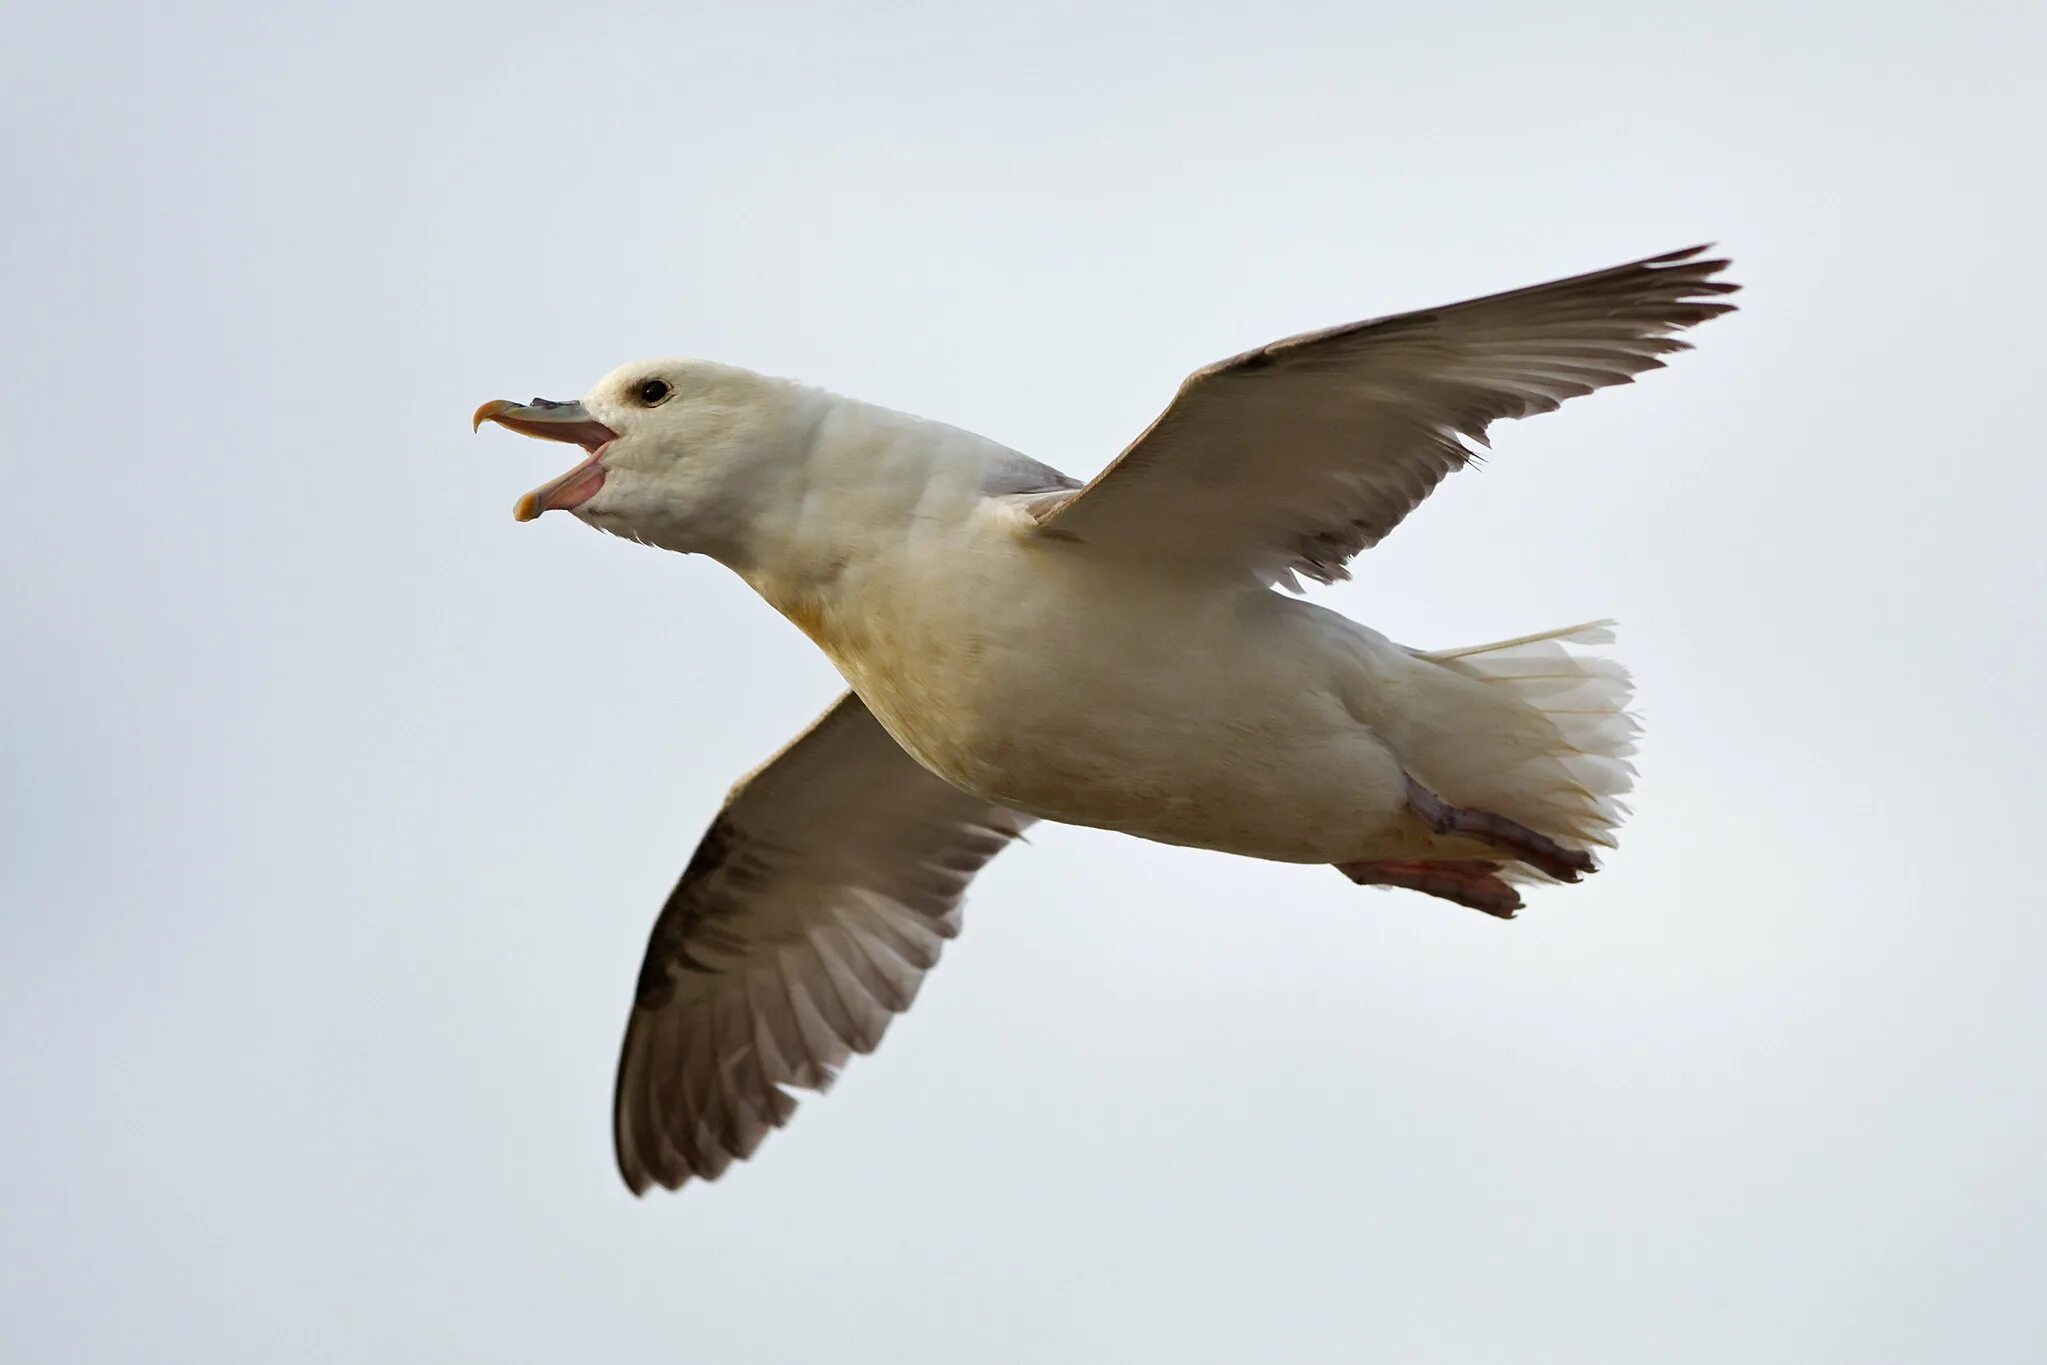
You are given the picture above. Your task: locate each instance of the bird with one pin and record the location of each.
(1133, 652)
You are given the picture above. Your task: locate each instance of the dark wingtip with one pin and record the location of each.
(1681, 254)
(630, 1169)
(1689, 260)
(1697, 279)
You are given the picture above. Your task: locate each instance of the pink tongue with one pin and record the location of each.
(572, 489)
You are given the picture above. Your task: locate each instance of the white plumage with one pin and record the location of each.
(1021, 647)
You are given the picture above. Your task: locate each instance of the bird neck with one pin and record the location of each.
(870, 489)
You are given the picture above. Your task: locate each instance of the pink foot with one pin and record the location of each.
(1519, 842)
(1467, 881)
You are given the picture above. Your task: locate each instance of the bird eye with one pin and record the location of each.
(654, 391)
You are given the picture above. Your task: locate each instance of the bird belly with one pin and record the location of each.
(1209, 720)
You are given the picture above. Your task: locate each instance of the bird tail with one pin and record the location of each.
(1552, 735)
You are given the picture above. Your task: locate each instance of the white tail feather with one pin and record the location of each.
(1554, 756)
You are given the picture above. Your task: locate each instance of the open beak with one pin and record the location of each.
(553, 422)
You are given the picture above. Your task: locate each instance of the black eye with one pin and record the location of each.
(653, 391)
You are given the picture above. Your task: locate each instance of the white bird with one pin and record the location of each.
(1021, 647)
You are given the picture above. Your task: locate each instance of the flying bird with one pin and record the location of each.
(1021, 646)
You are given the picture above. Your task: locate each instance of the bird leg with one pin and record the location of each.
(1469, 882)
(1539, 851)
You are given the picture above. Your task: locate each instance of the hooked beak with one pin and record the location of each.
(553, 422)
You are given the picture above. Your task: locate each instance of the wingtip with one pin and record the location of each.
(1698, 279)
(1681, 254)
(1689, 259)
(631, 1172)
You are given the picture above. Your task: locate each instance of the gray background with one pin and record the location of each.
(337, 805)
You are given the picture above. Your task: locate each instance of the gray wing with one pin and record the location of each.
(815, 904)
(1296, 456)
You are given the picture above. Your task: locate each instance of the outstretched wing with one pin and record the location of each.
(1296, 456)
(807, 918)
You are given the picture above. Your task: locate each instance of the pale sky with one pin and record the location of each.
(337, 805)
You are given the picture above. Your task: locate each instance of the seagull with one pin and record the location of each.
(1131, 654)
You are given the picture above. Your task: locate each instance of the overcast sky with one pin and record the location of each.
(335, 806)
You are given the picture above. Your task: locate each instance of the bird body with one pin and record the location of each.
(1217, 715)
(1072, 685)
(1018, 647)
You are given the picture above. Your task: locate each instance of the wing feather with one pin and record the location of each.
(804, 922)
(1292, 458)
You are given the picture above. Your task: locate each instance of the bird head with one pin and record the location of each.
(678, 453)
